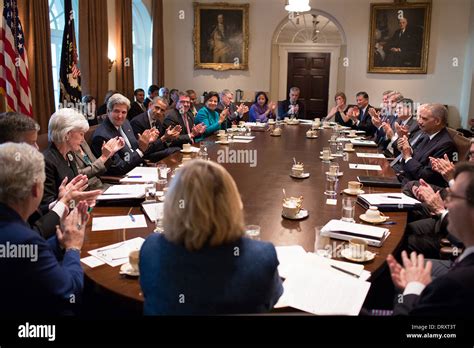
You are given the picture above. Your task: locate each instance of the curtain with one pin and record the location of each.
(158, 73)
(93, 48)
(124, 48)
(34, 17)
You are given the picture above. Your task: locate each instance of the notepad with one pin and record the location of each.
(153, 210)
(117, 254)
(140, 175)
(119, 192)
(289, 256)
(370, 155)
(392, 201)
(343, 230)
(359, 142)
(118, 222)
(364, 166)
(244, 137)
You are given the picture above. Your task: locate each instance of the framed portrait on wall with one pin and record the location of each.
(399, 38)
(221, 36)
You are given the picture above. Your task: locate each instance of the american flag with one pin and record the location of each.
(14, 73)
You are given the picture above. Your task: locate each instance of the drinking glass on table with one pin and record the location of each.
(348, 209)
(159, 220)
(331, 185)
(162, 171)
(150, 191)
(322, 243)
(252, 231)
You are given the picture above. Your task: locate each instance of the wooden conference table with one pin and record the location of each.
(261, 191)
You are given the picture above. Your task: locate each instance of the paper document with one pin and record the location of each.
(389, 198)
(141, 174)
(244, 137)
(117, 254)
(363, 142)
(370, 155)
(123, 192)
(254, 124)
(153, 210)
(92, 261)
(118, 222)
(364, 166)
(306, 121)
(289, 256)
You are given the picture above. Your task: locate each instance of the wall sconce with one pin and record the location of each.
(112, 57)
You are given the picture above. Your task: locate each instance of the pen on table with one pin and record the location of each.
(343, 270)
(134, 176)
(394, 197)
(132, 217)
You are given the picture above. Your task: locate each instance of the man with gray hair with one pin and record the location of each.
(433, 141)
(292, 107)
(135, 150)
(236, 113)
(26, 258)
(18, 128)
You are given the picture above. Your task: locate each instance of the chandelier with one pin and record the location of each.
(297, 6)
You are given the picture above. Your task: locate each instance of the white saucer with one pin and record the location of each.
(275, 135)
(271, 122)
(223, 142)
(191, 151)
(312, 137)
(352, 136)
(303, 176)
(380, 220)
(339, 174)
(347, 254)
(346, 191)
(301, 215)
(327, 159)
(347, 150)
(220, 135)
(128, 270)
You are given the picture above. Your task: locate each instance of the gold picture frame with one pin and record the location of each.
(221, 36)
(399, 38)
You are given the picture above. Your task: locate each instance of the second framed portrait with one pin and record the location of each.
(221, 36)
(399, 38)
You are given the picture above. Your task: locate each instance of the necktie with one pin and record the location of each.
(186, 122)
(412, 144)
(122, 133)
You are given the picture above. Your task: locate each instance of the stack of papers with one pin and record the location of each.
(117, 254)
(370, 155)
(117, 192)
(365, 166)
(107, 223)
(254, 124)
(360, 142)
(343, 230)
(312, 285)
(153, 210)
(388, 201)
(141, 174)
(306, 121)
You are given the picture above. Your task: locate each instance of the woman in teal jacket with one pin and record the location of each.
(209, 116)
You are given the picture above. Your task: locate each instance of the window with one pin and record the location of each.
(56, 21)
(142, 35)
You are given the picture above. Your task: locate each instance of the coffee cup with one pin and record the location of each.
(310, 133)
(326, 153)
(354, 186)
(297, 169)
(234, 126)
(352, 133)
(133, 259)
(334, 169)
(357, 248)
(317, 120)
(373, 213)
(221, 132)
(187, 147)
(276, 131)
(291, 206)
(242, 123)
(349, 146)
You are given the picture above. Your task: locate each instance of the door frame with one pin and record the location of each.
(333, 50)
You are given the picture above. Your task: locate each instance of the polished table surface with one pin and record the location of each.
(261, 190)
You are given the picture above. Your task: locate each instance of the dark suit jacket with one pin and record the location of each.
(135, 109)
(448, 295)
(124, 160)
(365, 123)
(212, 279)
(173, 118)
(410, 45)
(45, 224)
(56, 168)
(141, 123)
(419, 167)
(232, 118)
(38, 284)
(284, 105)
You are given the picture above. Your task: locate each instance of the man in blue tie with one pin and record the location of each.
(360, 116)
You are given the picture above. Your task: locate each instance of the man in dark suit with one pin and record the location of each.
(116, 125)
(451, 293)
(404, 47)
(138, 105)
(292, 107)
(195, 104)
(360, 116)
(43, 277)
(182, 116)
(152, 93)
(236, 112)
(154, 118)
(433, 141)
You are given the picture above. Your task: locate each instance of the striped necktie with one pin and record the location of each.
(412, 144)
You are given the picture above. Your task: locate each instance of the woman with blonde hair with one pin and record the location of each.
(202, 264)
(340, 110)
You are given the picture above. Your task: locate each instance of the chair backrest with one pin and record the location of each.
(43, 138)
(462, 143)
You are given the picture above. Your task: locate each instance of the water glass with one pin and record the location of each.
(159, 219)
(150, 192)
(252, 232)
(162, 171)
(331, 185)
(322, 243)
(340, 148)
(334, 169)
(348, 209)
